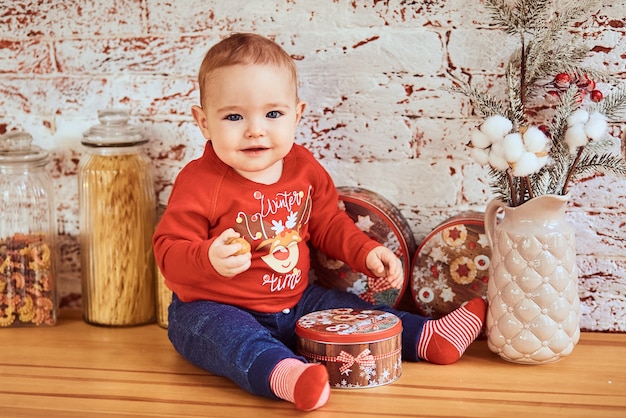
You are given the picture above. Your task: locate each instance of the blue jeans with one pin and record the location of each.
(244, 346)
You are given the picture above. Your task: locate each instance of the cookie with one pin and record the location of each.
(245, 245)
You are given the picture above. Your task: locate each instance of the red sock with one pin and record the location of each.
(444, 340)
(305, 385)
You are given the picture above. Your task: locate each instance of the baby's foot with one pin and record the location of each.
(305, 385)
(444, 340)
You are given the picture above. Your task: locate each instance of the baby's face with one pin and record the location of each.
(250, 115)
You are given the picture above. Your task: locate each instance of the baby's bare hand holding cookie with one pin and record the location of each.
(245, 245)
(230, 254)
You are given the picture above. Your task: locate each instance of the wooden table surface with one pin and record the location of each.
(78, 370)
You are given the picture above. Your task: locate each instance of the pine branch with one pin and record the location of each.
(549, 52)
(541, 183)
(560, 155)
(545, 59)
(516, 102)
(524, 16)
(567, 104)
(603, 163)
(533, 13)
(569, 15)
(503, 16)
(601, 146)
(485, 103)
(500, 186)
(613, 103)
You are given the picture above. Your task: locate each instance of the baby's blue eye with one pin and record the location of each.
(234, 117)
(273, 114)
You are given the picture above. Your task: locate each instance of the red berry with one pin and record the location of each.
(562, 80)
(553, 96)
(596, 96)
(586, 82)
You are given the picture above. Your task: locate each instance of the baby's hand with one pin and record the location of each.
(229, 255)
(384, 264)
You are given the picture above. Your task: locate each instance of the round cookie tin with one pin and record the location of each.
(381, 221)
(360, 348)
(451, 265)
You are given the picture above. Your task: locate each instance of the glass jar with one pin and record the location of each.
(163, 294)
(117, 218)
(164, 299)
(28, 294)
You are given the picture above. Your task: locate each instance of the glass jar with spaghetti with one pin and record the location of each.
(27, 234)
(117, 218)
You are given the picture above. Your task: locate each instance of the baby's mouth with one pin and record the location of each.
(255, 149)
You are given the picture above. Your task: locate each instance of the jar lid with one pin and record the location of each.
(16, 147)
(113, 131)
(348, 326)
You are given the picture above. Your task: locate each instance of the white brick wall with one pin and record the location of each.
(371, 71)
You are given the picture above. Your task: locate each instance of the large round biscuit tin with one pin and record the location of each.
(451, 265)
(381, 221)
(360, 348)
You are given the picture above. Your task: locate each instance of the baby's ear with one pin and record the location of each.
(201, 120)
(300, 107)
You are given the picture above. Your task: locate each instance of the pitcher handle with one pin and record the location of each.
(490, 218)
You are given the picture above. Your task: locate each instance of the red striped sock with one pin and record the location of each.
(305, 385)
(444, 340)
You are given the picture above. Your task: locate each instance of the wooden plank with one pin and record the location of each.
(77, 370)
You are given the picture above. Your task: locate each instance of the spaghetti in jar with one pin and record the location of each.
(117, 218)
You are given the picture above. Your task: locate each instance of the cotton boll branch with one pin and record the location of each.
(575, 110)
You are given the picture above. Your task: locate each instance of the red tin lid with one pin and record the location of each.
(379, 219)
(348, 325)
(451, 265)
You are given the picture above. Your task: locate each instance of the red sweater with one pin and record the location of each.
(278, 220)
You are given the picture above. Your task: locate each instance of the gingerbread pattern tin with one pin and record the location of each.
(451, 265)
(381, 221)
(360, 348)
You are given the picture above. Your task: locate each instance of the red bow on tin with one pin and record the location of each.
(365, 359)
(375, 285)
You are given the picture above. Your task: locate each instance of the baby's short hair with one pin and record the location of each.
(243, 48)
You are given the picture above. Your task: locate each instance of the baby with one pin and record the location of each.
(234, 310)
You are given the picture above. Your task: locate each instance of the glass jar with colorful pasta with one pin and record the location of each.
(27, 234)
(117, 216)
